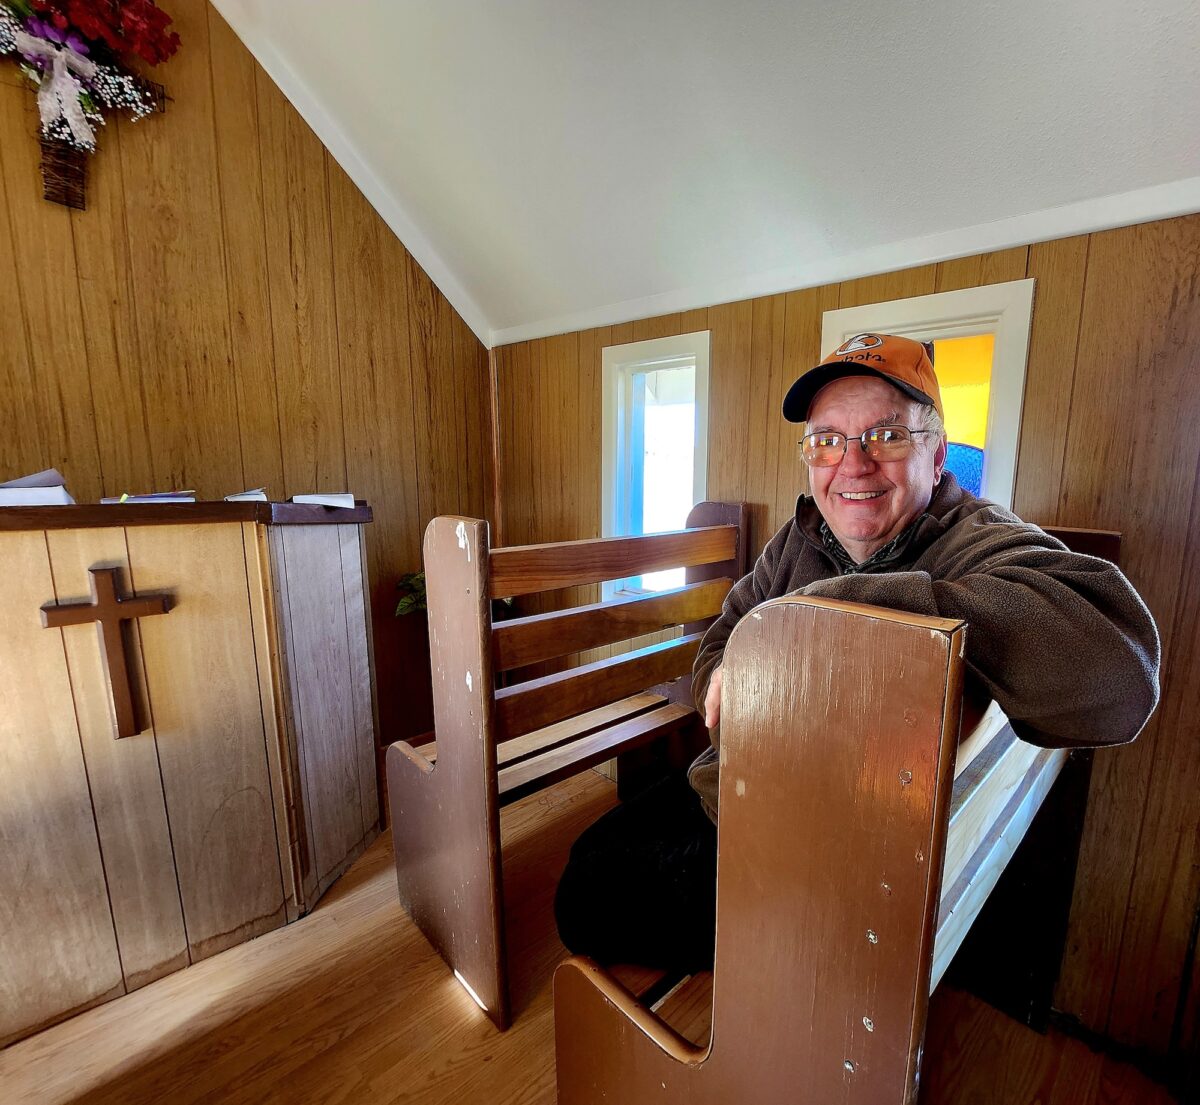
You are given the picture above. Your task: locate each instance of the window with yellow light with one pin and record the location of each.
(964, 372)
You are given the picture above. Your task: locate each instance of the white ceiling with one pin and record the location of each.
(558, 165)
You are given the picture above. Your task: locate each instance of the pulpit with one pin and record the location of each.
(187, 733)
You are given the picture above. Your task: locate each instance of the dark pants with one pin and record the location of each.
(641, 883)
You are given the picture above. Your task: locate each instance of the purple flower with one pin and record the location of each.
(39, 28)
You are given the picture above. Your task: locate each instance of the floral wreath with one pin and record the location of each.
(77, 54)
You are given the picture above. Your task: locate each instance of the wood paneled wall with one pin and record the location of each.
(1107, 440)
(231, 312)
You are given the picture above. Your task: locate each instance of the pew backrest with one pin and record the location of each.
(495, 745)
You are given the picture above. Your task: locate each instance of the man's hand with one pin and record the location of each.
(712, 700)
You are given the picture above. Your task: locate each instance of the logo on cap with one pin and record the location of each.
(859, 341)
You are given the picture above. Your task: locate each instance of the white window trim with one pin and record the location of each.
(617, 363)
(1005, 310)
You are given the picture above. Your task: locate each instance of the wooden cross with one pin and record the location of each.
(108, 610)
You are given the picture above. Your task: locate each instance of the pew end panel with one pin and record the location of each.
(830, 849)
(495, 746)
(446, 815)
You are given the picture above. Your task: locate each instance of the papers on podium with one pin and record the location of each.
(335, 499)
(46, 488)
(154, 497)
(256, 495)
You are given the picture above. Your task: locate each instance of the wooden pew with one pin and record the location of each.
(853, 857)
(494, 746)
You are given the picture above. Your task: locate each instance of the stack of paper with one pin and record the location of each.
(257, 495)
(154, 497)
(335, 499)
(41, 489)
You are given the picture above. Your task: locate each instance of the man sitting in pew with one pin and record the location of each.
(1061, 640)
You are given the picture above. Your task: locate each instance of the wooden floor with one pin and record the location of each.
(351, 1005)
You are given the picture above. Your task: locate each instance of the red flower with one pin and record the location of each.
(125, 26)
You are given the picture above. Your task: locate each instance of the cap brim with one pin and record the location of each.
(801, 394)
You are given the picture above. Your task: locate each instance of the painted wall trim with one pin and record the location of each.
(1164, 201)
(241, 18)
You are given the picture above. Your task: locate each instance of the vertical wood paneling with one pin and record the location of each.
(518, 445)
(559, 502)
(888, 285)
(474, 399)
(437, 478)
(1110, 392)
(1152, 971)
(101, 240)
(1189, 1031)
(981, 269)
(763, 419)
(315, 618)
(357, 615)
(1059, 268)
(123, 775)
(662, 326)
(377, 403)
(47, 290)
(1131, 463)
(177, 265)
(589, 425)
(503, 368)
(622, 333)
(447, 390)
(218, 789)
(300, 267)
(244, 234)
(59, 950)
(23, 443)
(731, 326)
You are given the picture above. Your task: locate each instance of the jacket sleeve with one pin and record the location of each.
(1061, 640)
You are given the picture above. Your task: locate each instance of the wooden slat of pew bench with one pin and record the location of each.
(543, 740)
(519, 642)
(528, 776)
(965, 897)
(495, 746)
(524, 569)
(980, 794)
(541, 702)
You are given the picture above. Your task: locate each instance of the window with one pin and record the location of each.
(964, 372)
(655, 441)
(981, 343)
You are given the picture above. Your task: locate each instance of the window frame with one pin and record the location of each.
(620, 421)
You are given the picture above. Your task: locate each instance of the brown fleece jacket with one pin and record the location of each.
(1060, 640)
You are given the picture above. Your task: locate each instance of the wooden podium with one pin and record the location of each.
(186, 742)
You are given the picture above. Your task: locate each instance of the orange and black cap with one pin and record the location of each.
(904, 363)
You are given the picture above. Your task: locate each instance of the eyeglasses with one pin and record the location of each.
(882, 443)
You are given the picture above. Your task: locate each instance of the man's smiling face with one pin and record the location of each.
(867, 502)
